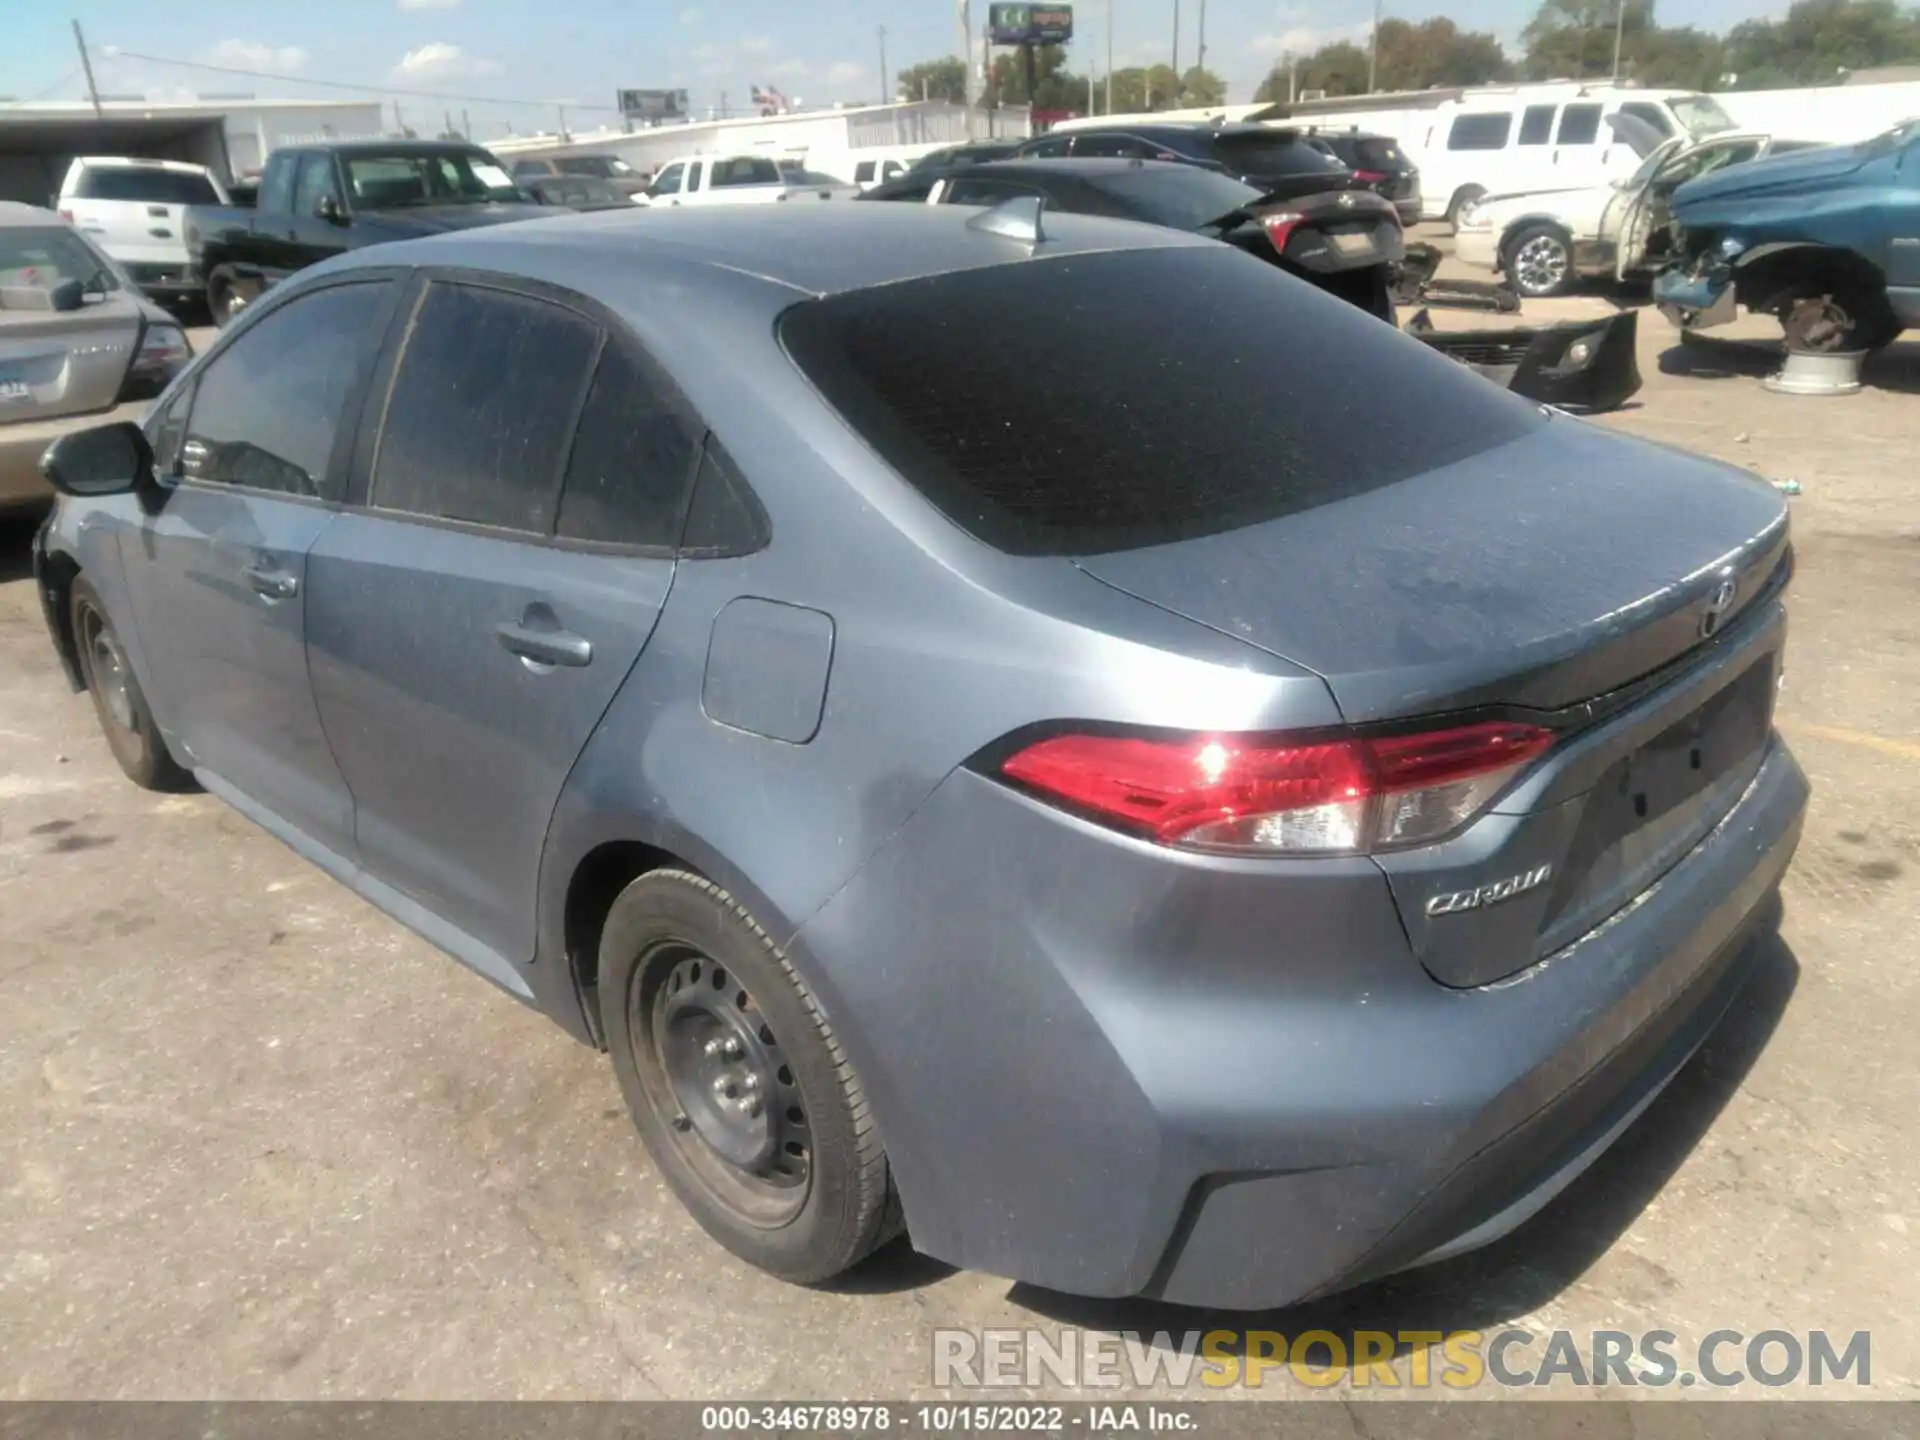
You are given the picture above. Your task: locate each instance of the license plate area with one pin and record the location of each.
(1351, 244)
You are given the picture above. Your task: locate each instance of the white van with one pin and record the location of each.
(135, 210)
(1543, 137)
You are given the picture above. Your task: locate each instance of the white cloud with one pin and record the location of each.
(792, 70)
(428, 4)
(692, 16)
(757, 45)
(437, 60)
(253, 55)
(845, 72)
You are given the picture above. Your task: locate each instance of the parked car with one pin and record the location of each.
(1344, 241)
(608, 169)
(1378, 162)
(576, 192)
(1226, 838)
(79, 344)
(1547, 241)
(729, 180)
(831, 187)
(135, 210)
(1282, 163)
(1822, 238)
(318, 201)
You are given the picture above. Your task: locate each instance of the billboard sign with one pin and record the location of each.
(653, 104)
(1024, 24)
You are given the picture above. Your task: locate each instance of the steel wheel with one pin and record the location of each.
(711, 1063)
(107, 665)
(1540, 264)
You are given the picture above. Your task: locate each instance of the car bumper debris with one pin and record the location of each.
(1577, 364)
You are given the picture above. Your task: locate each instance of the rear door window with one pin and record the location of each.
(693, 175)
(1480, 132)
(745, 170)
(486, 395)
(633, 458)
(1579, 125)
(1051, 148)
(1261, 401)
(1114, 147)
(1275, 154)
(983, 192)
(267, 410)
(1536, 125)
(151, 187)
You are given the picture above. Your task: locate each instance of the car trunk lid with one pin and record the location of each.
(1553, 578)
(55, 363)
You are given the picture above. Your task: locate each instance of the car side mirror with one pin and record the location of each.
(102, 460)
(328, 209)
(67, 296)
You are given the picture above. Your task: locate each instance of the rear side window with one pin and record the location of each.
(1051, 148)
(268, 408)
(745, 170)
(1182, 196)
(477, 423)
(1480, 132)
(1377, 153)
(1207, 391)
(693, 174)
(1536, 125)
(1579, 125)
(151, 187)
(983, 192)
(1276, 154)
(633, 459)
(1121, 147)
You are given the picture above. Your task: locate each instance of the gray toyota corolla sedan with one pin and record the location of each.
(1005, 738)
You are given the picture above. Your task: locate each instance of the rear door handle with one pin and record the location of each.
(544, 646)
(271, 583)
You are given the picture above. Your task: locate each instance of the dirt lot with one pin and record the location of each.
(258, 1141)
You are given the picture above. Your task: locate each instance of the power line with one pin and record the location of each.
(343, 85)
(59, 84)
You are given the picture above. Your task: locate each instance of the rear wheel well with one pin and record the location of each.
(1769, 282)
(597, 882)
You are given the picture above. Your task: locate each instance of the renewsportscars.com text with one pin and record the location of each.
(1511, 1358)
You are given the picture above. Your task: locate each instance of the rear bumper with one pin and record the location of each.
(22, 445)
(1111, 1071)
(1583, 364)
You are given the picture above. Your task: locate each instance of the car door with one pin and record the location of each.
(665, 189)
(218, 571)
(1644, 213)
(1579, 157)
(474, 612)
(314, 236)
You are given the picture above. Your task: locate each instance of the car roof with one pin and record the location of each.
(390, 147)
(137, 162)
(1189, 127)
(1079, 166)
(818, 248)
(16, 216)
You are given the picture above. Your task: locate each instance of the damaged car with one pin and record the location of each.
(1827, 240)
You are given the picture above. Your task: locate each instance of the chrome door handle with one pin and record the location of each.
(270, 583)
(545, 647)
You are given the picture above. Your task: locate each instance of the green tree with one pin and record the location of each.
(942, 79)
(1200, 87)
(1055, 87)
(1136, 89)
(1338, 69)
(1818, 40)
(1573, 39)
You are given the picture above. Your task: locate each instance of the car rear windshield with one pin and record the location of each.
(150, 187)
(1375, 152)
(1109, 401)
(39, 259)
(1275, 154)
(1177, 195)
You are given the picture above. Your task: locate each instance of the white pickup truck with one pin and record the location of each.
(135, 210)
(728, 180)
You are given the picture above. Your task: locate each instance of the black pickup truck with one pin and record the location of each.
(318, 200)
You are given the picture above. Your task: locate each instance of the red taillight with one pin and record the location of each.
(1369, 177)
(1261, 794)
(1279, 225)
(66, 215)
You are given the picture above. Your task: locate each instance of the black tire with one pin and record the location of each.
(674, 943)
(225, 298)
(1538, 260)
(1462, 197)
(125, 720)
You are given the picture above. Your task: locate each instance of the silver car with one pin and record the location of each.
(79, 344)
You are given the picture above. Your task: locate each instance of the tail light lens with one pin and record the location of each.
(163, 354)
(1369, 177)
(1279, 225)
(66, 215)
(1253, 794)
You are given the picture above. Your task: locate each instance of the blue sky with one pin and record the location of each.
(581, 51)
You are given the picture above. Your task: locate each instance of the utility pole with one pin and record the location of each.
(563, 120)
(1619, 33)
(86, 64)
(1201, 60)
(886, 95)
(447, 116)
(399, 120)
(965, 17)
(1373, 52)
(1109, 57)
(1176, 53)
(466, 125)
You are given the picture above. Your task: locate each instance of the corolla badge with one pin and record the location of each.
(1481, 896)
(1718, 604)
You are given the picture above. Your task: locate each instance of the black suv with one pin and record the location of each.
(1379, 163)
(1280, 163)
